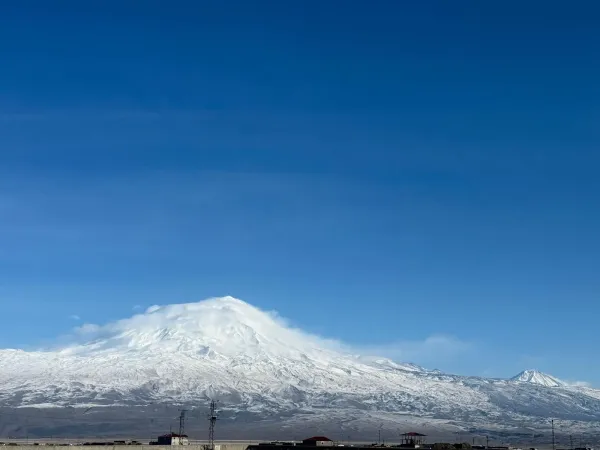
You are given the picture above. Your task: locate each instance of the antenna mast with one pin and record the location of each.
(553, 438)
(212, 419)
(182, 425)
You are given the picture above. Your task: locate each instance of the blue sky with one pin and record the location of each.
(419, 178)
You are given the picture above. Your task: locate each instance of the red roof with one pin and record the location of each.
(318, 438)
(412, 433)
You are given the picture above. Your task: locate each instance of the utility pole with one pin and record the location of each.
(553, 437)
(487, 442)
(571, 439)
(182, 425)
(212, 419)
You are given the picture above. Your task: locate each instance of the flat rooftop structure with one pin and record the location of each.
(412, 440)
(302, 446)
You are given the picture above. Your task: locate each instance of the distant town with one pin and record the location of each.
(409, 440)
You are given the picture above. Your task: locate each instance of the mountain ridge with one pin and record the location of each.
(254, 363)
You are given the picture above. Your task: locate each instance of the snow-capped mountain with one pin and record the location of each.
(254, 363)
(536, 377)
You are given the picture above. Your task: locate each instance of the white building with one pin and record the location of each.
(173, 439)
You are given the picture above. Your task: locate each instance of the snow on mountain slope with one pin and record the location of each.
(252, 361)
(536, 377)
(226, 327)
(218, 347)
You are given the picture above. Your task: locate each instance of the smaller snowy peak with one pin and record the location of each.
(539, 378)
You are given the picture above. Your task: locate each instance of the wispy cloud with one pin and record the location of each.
(64, 115)
(74, 317)
(137, 307)
(578, 383)
(120, 216)
(431, 350)
(88, 329)
(207, 315)
(12, 116)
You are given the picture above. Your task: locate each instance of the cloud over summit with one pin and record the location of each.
(227, 318)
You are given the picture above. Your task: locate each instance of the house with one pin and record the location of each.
(173, 439)
(318, 441)
(412, 440)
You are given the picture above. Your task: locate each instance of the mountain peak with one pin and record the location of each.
(224, 326)
(257, 365)
(536, 377)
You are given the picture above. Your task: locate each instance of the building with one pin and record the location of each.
(412, 440)
(318, 441)
(415, 440)
(173, 439)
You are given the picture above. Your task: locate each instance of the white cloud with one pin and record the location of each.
(579, 383)
(137, 307)
(209, 315)
(87, 328)
(74, 317)
(431, 350)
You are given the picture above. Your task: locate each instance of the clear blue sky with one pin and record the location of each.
(377, 172)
